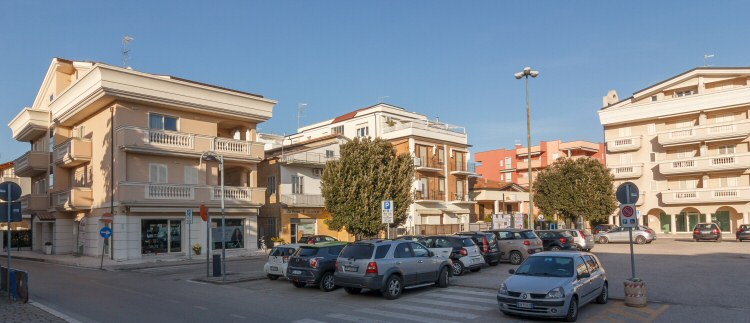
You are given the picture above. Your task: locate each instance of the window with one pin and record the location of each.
(163, 236)
(625, 132)
(297, 184)
(460, 161)
(508, 163)
(157, 173)
(581, 266)
(234, 233)
(441, 184)
(626, 159)
(729, 181)
(652, 157)
(685, 154)
(509, 177)
(330, 153)
(337, 130)
(501, 163)
(653, 98)
(441, 156)
(724, 118)
(726, 150)
(363, 132)
(651, 128)
(191, 175)
(686, 184)
(162, 122)
(591, 262)
(271, 184)
(460, 189)
(419, 250)
(654, 185)
(684, 124)
(39, 187)
(680, 94)
(381, 252)
(317, 172)
(403, 250)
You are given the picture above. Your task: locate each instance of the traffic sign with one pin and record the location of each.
(105, 232)
(189, 216)
(387, 211)
(540, 217)
(628, 218)
(627, 193)
(13, 188)
(106, 218)
(15, 212)
(204, 212)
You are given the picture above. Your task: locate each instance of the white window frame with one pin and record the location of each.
(726, 150)
(684, 124)
(509, 177)
(729, 181)
(651, 128)
(679, 94)
(163, 116)
(688, 184)
(625, 132)
(337, 130)
(271, 184)
(686, 153)
(298, 184)
(626, 159)
(158, 169)
(191, 174)
(363, 131)
(724, 118)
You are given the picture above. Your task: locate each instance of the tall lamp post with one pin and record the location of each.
(212, 156)
(525, 74)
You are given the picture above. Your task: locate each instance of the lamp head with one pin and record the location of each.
(534, 73)
(519, 75)
(526, 70)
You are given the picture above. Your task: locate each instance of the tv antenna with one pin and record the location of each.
(380, 98)
(125, 51)
(300, 110)
(706, 58)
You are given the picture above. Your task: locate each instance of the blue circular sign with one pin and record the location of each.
(105, 232)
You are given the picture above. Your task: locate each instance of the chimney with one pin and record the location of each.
(519, 146)
(610, 99)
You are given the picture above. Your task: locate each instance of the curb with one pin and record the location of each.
(54, 312)
(226, 282)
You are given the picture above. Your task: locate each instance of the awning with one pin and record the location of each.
(43, 216)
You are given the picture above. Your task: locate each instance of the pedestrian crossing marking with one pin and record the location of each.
(352, 318)
(452, 304)
(434, 311)
(467, 298)
(401, 316)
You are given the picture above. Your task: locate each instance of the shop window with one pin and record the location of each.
(233, 234)
(161, 236)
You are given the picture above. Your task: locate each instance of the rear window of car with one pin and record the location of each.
(306, 252)
(335, 250)
(382, 251)
(357, 251)
(468, 242)
(528, 235)
(573, 233)
(704, 226)
(490, 238)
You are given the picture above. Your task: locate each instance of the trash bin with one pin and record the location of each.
(635, 293)
(217, 265)
(22, 286)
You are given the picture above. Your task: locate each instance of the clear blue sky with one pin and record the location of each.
(449, 59)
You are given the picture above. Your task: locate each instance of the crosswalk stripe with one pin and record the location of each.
(352, 318)
(473, 292)
(430, 310)
(401, 316)
(467, 298)
(451, 304)
(308, 321)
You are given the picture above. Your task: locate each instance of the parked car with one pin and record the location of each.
(417, 238)
(314, 265)
(582, 239)
(743, 232)
(554, 284)
(278, 260)
(313, 239)
(487, 243)
(389, 266)
(641, 234)
(461, 250)
(555, 240)
(517, 244)
(707, 231)
(604, 228)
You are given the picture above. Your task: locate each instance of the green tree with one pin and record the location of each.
(368, 172)
(573, 188)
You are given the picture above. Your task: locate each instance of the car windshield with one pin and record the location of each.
(704, 226)
(306, 252)
(528, 235)
(547, 266)
(357, 251)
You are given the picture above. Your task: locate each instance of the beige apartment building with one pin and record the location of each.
(684, 142)
(104, 139)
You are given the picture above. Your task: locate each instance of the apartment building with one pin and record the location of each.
(111, 146)
(294, 202)
(495, 197)
(440, 152)
(512, 165)
(684, 142)
(8, 174)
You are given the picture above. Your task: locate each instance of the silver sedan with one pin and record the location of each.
(641, 234)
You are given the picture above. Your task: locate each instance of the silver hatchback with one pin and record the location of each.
(582, 239)
(641, 234)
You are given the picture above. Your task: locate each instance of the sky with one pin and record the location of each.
(452, 60)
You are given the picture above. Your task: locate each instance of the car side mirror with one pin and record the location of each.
(584, 275)
(430, 254)
(511, 271)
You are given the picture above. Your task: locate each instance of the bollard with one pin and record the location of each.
(635, 292)
(217, 265)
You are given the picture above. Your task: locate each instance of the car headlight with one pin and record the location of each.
(556, 293)
(503, 289)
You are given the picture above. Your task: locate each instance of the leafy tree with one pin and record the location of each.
(573, 188)
(368, 172)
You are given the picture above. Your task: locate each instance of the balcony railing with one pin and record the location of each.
(164, 142)
(171, 139)
(428, 164)
(705, 164)
(710, 132)
(469, 168)
(627, 171)
(180, 194)
(624, 144)
(424, 128)
(707, 195)
(308, 158)
(73, 152)
(34, 202)
(309, 200)
(236, 193)
(170, 192)
(462, 198)
(32, 163)
(77, 198)
(429, 195)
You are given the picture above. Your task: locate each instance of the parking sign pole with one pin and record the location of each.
(10, 298)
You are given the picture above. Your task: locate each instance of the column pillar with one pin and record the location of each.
(673, 223)
(496, 208)
(248, 135)
(708, 218)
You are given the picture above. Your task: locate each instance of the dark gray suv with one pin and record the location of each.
(390, 266)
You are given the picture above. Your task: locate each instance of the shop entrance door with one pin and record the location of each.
(293, 232)
(666, 223)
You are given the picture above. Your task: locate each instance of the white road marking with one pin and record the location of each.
(401, 316)
(473, 292)
(467, 298)
(237, 316)
(201, 307)
(174, 301)
(54, 312)
(352, 318)
(431, 310)
(308, 321)
(451, 304)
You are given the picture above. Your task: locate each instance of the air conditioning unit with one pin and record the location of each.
(317, 172)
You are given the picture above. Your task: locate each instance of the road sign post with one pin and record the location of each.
(205, 217)
(9, 192)
(105, 232)
(189, 221)
(627, 194)
(387, 216)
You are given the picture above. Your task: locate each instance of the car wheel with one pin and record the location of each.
(393, 287)
(640, 240)
(352, 290)
(516, 258)
(272, 277)
(458, 268)
(604, 296)
(476, 269)
(299, 284)
(326, 282)
(572, 315)
(603, 240)
(444, 278)
(554, 248)
(578, 247)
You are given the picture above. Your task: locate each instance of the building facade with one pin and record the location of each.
(440, 151)
(495, 197)
(684, 142)
(110, 146)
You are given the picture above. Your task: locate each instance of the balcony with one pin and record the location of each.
(32, 163)
(428, 164)
(624, 144)
(74, 199)
(307, 159)
(469, 169)
(73, 152)
(29, 124)
(425, 129)
(627, 171)
(712, 132)
(705, 164)
(131, 193)
(707, 195)
(34, 202)
(303, 200)
(460, 198)
(180, 144)
(429, 196)
(535, 163)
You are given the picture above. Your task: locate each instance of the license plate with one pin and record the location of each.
(525, 305)
(350, 268)
(274, 268)
(296, 272)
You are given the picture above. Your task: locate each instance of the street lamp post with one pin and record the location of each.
(525, 74)
(212, 156)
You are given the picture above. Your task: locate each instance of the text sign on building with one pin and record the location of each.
(387, 211)
(628, 218)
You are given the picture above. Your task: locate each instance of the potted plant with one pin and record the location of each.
(48, 248)
(278, 241)
(197, 248)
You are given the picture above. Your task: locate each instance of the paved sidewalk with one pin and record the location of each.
(18, 312)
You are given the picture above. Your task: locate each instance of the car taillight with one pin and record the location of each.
(696, 231)
(337, 265)
(311, 241)
(285, 259)
(650, 231)
(464, 252)
(526, 243)
(314, 263)
(372, 268)
(715, 231)
(486, 245)
(563, 240)
(741, 230)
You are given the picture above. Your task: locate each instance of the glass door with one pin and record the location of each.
(722, 218)
(666, 223)
(293, 232)
(175, 236)
(693, 219)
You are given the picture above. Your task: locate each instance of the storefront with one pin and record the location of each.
(161, 236)
(297, 223)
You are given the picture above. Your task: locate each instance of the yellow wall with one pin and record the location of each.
(322, 228)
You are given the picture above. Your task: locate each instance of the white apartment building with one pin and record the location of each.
(684, 142)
